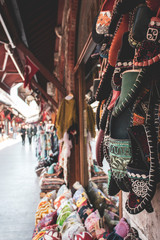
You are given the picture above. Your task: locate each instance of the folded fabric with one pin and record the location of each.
(47, 220)
(124, 62)
(72, 231)
(83, 236)
(84, 211)
(131, 82)
(43, 209)
(90, 222)
(132, 234)
(67, 202)
(52, 235)
(122, 228)
(44, 230)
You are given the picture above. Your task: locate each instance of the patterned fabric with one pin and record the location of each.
(84, 211)
(40, 234)
(52, 235)
(65, 196)
(132, 235)
(80, 197)
(91, 221)
(103, 22)
(71, 226)
(124, 62)
(137, 119)
(43, 209)
(83, 236)
(120, 156)
(144, 188)
(149, 51)
(139, 184)
(140, 19)
(67, 202)
(72, 231)
(49, 219)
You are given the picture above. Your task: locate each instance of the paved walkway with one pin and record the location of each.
(19, 190)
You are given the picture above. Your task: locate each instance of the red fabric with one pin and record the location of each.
(107, 5)
(44, 116)
(117, 41)
(30, 70)
(9, 117)
(2, 115)
(83, 236)
(114, 98)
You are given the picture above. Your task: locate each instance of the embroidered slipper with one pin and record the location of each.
(124, 62)
(143, 183)
(102, 21)
(148, 52)
(140, 19)
(120, 147)
(120, 8)
(104, 87)
(131, 82)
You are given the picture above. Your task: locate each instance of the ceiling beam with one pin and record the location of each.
(50, 99)
(5, 88)
(16, 42)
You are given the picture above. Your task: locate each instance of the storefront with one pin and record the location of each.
(106, 88)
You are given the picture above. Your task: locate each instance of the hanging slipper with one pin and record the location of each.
(104, 87)
(143, 182)
(139, 24)
(119, 142)
(120, 8)
(124, 62)
(131, 83)
(102, 21)
(148, 52)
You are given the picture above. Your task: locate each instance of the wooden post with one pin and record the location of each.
(82, 129)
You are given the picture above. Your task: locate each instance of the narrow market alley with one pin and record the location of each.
(19, 190)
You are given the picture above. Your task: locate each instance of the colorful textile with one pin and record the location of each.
(43, 209)
(83, 236)
(71, 226)
(58, 201)
(91, 221)
(49, 219)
